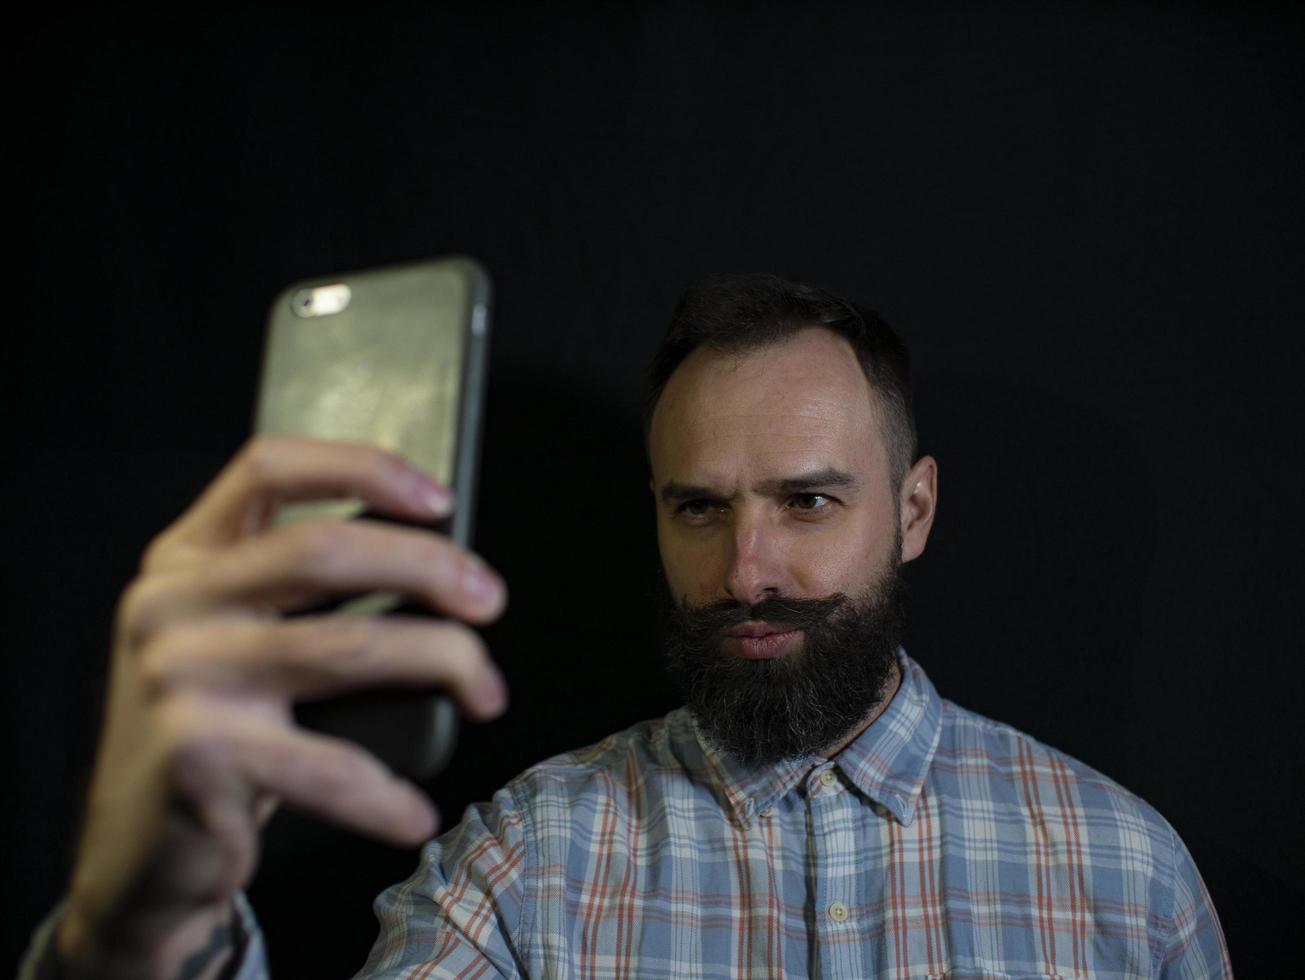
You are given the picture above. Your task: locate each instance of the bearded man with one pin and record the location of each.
(815, 809)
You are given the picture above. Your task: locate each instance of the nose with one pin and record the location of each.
(755, 570)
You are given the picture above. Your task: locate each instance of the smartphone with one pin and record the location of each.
(394, 357)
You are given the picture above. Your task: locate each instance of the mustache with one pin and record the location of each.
(783, 611)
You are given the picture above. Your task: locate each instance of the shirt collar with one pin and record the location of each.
(888, 762)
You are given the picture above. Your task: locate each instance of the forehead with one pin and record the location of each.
(791, 406)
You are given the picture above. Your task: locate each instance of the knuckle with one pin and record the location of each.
(260, 458)
(160, 658)
(315, 544)
(155, 553)
(340, 649)
(174, 720)
(188, 738)
(139, 609)
(392, 469)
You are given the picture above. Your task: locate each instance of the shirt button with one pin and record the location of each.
(828, 778)
(838, 912)
(768, 812)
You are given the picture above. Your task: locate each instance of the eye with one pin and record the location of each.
(811, 503)
(699, 510)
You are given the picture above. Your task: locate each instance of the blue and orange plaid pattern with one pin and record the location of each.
(938, 844)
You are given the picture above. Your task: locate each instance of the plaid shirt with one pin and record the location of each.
(938, 844)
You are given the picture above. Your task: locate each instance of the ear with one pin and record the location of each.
(917, 501)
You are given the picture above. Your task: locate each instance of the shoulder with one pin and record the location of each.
(980, 757)
(645, 760)
(1078, 824)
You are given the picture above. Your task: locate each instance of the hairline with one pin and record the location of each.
(891, 428)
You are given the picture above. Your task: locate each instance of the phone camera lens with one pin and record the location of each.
(302, 302)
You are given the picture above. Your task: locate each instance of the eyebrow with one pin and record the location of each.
(824, 479)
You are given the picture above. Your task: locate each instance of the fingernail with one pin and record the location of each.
(493, 690)
(427, 823)
(479, 581)
(417, 818)
(436, 500)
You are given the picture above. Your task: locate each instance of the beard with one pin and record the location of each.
(764, 711)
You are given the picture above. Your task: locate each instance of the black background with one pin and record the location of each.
(1085, 220)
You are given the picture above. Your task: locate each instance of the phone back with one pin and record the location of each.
(393, 357)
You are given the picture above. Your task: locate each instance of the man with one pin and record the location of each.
(814, 810)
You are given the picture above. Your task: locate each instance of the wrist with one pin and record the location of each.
(199, 947)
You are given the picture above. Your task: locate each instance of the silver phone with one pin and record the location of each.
(394, 357)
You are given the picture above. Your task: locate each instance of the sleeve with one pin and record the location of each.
(463, 912)
(1196, 949)
(249, 963)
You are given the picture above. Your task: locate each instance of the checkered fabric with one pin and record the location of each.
(938, 844)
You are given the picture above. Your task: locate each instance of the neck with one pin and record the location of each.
(890, 690)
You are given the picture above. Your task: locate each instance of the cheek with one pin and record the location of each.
(694, 565)
(824, 567)
(847, 561)
(689, 569)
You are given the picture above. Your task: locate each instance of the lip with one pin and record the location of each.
(755, 629)
(765, 643)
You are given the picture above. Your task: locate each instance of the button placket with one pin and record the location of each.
(834, 870)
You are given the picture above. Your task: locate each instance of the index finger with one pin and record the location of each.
(272, 470)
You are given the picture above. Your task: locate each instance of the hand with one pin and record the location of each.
(199, 744)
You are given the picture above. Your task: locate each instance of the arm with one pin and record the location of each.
(235, 952)
(199, 745)
(464, 911)
(1196, 949)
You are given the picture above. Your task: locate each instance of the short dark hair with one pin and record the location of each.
(743, 312)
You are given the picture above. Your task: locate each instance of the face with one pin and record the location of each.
(782, 534)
